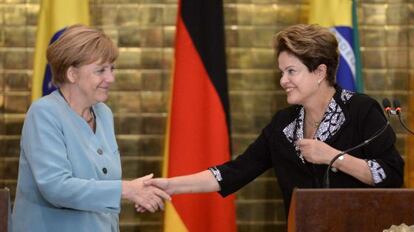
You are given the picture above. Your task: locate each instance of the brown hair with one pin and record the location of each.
(312, 45)
(79, 45)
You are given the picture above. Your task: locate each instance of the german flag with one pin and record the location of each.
(199, 122)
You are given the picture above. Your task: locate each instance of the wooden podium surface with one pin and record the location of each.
(350, 209)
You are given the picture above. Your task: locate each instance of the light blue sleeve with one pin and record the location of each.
(44, 147)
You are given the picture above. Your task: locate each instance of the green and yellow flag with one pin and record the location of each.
(54, 17)
(340, 16)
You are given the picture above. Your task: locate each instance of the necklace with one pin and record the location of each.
(92, 116)
(91, 119)
(314, 124)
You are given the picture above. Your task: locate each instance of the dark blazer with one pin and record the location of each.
(355, 118)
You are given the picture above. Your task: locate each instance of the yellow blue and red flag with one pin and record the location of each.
(54, 17)
(340, 16)
(198, 135)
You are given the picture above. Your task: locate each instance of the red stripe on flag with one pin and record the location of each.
(198, 138)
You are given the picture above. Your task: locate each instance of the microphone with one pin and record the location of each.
(338, 156)
(386, 104)
(398, 111)
(397, 106)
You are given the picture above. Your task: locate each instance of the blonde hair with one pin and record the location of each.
(312, 45)
(79, 45)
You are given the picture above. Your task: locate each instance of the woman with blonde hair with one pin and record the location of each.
(70, 169)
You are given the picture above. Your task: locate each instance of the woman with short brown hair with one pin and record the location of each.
(301, 140)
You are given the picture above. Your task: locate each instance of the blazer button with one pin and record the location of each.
(104, 170)
(100, 152)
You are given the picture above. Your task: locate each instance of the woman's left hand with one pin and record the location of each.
(315, 151)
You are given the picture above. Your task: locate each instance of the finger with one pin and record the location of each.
(161, 193)
(154, 206)
(144, 202)
(140, 209)
(153, 202)
(147, 177)
(154, 182)
(160, 203)
(150, 182)
(156, 202)
(149, 206)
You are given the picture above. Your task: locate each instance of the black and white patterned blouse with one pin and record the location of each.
(350, 118)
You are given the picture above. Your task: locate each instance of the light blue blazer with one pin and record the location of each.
(69, 177)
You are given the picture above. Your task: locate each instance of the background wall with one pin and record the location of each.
(144, 31)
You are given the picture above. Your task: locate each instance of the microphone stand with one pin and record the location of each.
(402, 122)
(365, 142)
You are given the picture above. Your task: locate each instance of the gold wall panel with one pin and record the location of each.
(16, 102)
(14, 15)
(151, 58)
(266, 14)
(396, 36)
(16, 80)
(128, 14)
(153, 102)
(18, 58)
(374, 14)
(397, 58)
(2, 81)
(239, 36)
(262, 58)
(156, 80)
(129, 58)
(376, 79)
(9, 147)
(397, 14)
(169, 14)
(129, 80)
(145, 32)
(13, 124)
(253, 80)
(168, 36)
(399, 79)
(411, 58)
(372, 36)
(129, 36)
(18, 36)
(125, 102)
(239, 14)
(374, 57)
(263, 36)
(152, 36)
(151, 15)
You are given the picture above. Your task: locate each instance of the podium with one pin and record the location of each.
(4, 209)
(340, 210)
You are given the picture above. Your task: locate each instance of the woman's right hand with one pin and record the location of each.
(148, 197)
(161, 183)
(200, 182)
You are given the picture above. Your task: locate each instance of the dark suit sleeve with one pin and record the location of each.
(386, 164)
(236, 173)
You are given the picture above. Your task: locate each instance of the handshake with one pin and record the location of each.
(146, 193)
(149, 194)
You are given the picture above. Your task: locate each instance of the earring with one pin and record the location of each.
(319, 82)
